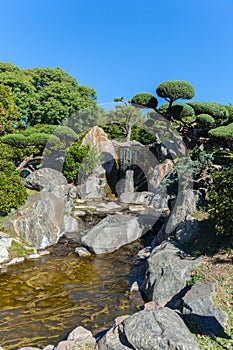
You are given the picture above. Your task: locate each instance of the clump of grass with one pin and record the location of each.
(18, 249)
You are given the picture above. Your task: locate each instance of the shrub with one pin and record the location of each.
(144, 99)
(12, 191)
(221, 197)
(177, 110)
(205, 119)
(216, 110)
(175, 89)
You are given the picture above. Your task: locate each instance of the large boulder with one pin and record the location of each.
(187, 230)
(205, 315)
(143, 198)
(45, 178)
(93, 186)
(5, 244)
(97, 139)
(156, 329)
(112, 232)
(168, 271)
(40, 221)
(185, 204)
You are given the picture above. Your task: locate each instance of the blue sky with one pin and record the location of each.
(124, 47)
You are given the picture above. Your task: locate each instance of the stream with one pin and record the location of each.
(42, 300)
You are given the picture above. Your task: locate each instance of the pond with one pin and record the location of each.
(42, 300)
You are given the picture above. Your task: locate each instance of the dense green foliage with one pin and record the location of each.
(12, 191)
(205, 119)
(221, 197)
(216, 110)
(10, 116)
(144, 99)
(173, 90)
(45, 95)
(177, 110)
(79, 158)
(223, 134)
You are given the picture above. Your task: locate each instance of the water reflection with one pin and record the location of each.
(41, 301)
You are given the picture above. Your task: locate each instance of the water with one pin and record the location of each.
(41, 301)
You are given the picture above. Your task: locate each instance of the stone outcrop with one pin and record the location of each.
(168, 271)
(93, 186)
(45, 178)
(79, 339)
(187, 230)
(207, 318)
(40, 220)
(156, 329)
(5, 244)
(112, 232)
(143, 198)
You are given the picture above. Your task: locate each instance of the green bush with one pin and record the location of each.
(79, 159)
(175, 89)
(12, 191)
(221, 197)
(216, 110)
(177, 110)
(144, 99)
(41, 139)
(205, 119)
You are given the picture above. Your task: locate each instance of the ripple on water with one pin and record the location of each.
(42, 301)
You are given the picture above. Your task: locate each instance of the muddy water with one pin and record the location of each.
(42, 301)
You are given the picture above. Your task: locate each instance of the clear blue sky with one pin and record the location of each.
(127, 46)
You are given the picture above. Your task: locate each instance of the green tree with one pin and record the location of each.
(10, 116)
(124, 117)
(12, 191)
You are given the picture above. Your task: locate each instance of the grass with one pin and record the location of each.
(17, 249)
(216, 265)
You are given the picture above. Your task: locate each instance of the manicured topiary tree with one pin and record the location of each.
(223, 135)
(216, 110)
(144, 99)
(173, 90)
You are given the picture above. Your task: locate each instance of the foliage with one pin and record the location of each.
(79, 158)
(45, 95)
(216, 110)
(177, 110)
(10, 116)
(172, 90)
(12, 191)
(205, 120)
(124, 116)
(144, 99)
(223, 134)
(221, 197)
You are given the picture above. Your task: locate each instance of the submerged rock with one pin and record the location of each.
(112, 232)
(5, 244)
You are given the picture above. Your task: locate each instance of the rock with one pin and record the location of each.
(136, 208)
(66, 345)
(16, 260)
(97, 139)
(107, 207)
(159, 199)
(167, 273)
(49, 347)
(160, 328)
(111, 341)
(93, 185)
(187, 230)
(142, 198)
(185, 204)
(205, 315)
(112, 232)
(34, 256)
(68, 194)
(82, 338)
(45, 178)
(5, 244)
(144, 253)
(71, 224)
(129, 181)
(134, 287)
(40, 220)
(81, 251)
(29, 348)
(159, 172)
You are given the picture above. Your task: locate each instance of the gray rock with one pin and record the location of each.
(167, 273)
(40, 220)
(5, 244)
(159, 199)
(159, 172)
(93, 185)
(29, 348)
(71, 224)
(112, 232)
(45, 178)
(81, 251)
(185, 204)
(143, 198)
(82, 337)
(157, 329)
(129, 181)
(205, 315)
(187, 230)
(111, 341)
